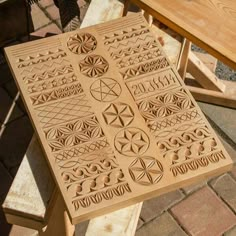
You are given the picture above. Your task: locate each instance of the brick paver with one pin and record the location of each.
(46, 3)
(50, 29)
(5, 74)
(39, 17)
(6, 181)
(155, 206)
(12, 90)
(223, 117)
(192, 188)
(53, 12)
(5, 105)
(203, 213)
(225, 186)
(14, 142)
(231, 232)
(162, 226)
(233, 171)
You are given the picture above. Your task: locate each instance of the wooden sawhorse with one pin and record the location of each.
(211, 26)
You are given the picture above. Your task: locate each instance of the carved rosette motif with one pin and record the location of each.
(131, 142)
(118, 115)
(93, 66)
(146, 170)
(82, 43)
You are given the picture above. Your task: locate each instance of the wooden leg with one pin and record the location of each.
(126, 7)
(203, 75)
(148, 17)
(222, 93)
(183, 62)
(58, 223)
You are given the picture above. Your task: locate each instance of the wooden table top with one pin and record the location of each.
(210, 24)
(115, 120)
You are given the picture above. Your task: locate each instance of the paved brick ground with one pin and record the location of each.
(207, 208)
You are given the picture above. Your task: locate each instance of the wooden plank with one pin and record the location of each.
(26, 199)
(101, 112)
(124, 220)
(184, 58)
(214, 32)
(227, 99)
(208, 60)
(203, 75)
(100, 13)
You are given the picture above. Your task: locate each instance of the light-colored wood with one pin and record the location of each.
(58, 223)
(227, 99)
(24, 204)
(203, 75)
(148, 17)
(100, 13)
(171, 42)
(208, 60)
(184, 58)
(97, 129)
(120, 223)
(210, 24)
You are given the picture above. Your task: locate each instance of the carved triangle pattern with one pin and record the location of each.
(62, 70)
(57, 94)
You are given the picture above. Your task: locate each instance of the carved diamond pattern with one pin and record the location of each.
(62, 111)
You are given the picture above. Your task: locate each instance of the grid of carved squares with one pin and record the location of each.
(88, 166)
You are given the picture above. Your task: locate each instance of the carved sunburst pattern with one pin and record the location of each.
(131, 142)
(146, 170)
(82, 43)
(93, 66)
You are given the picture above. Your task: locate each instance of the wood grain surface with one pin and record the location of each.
(211, 24)
(114, 118)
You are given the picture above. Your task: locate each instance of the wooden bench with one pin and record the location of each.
(33, 200)
(210, 24)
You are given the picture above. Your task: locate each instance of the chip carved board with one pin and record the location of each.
(115, 120)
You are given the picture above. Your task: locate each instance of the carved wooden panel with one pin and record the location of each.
(115, 120)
